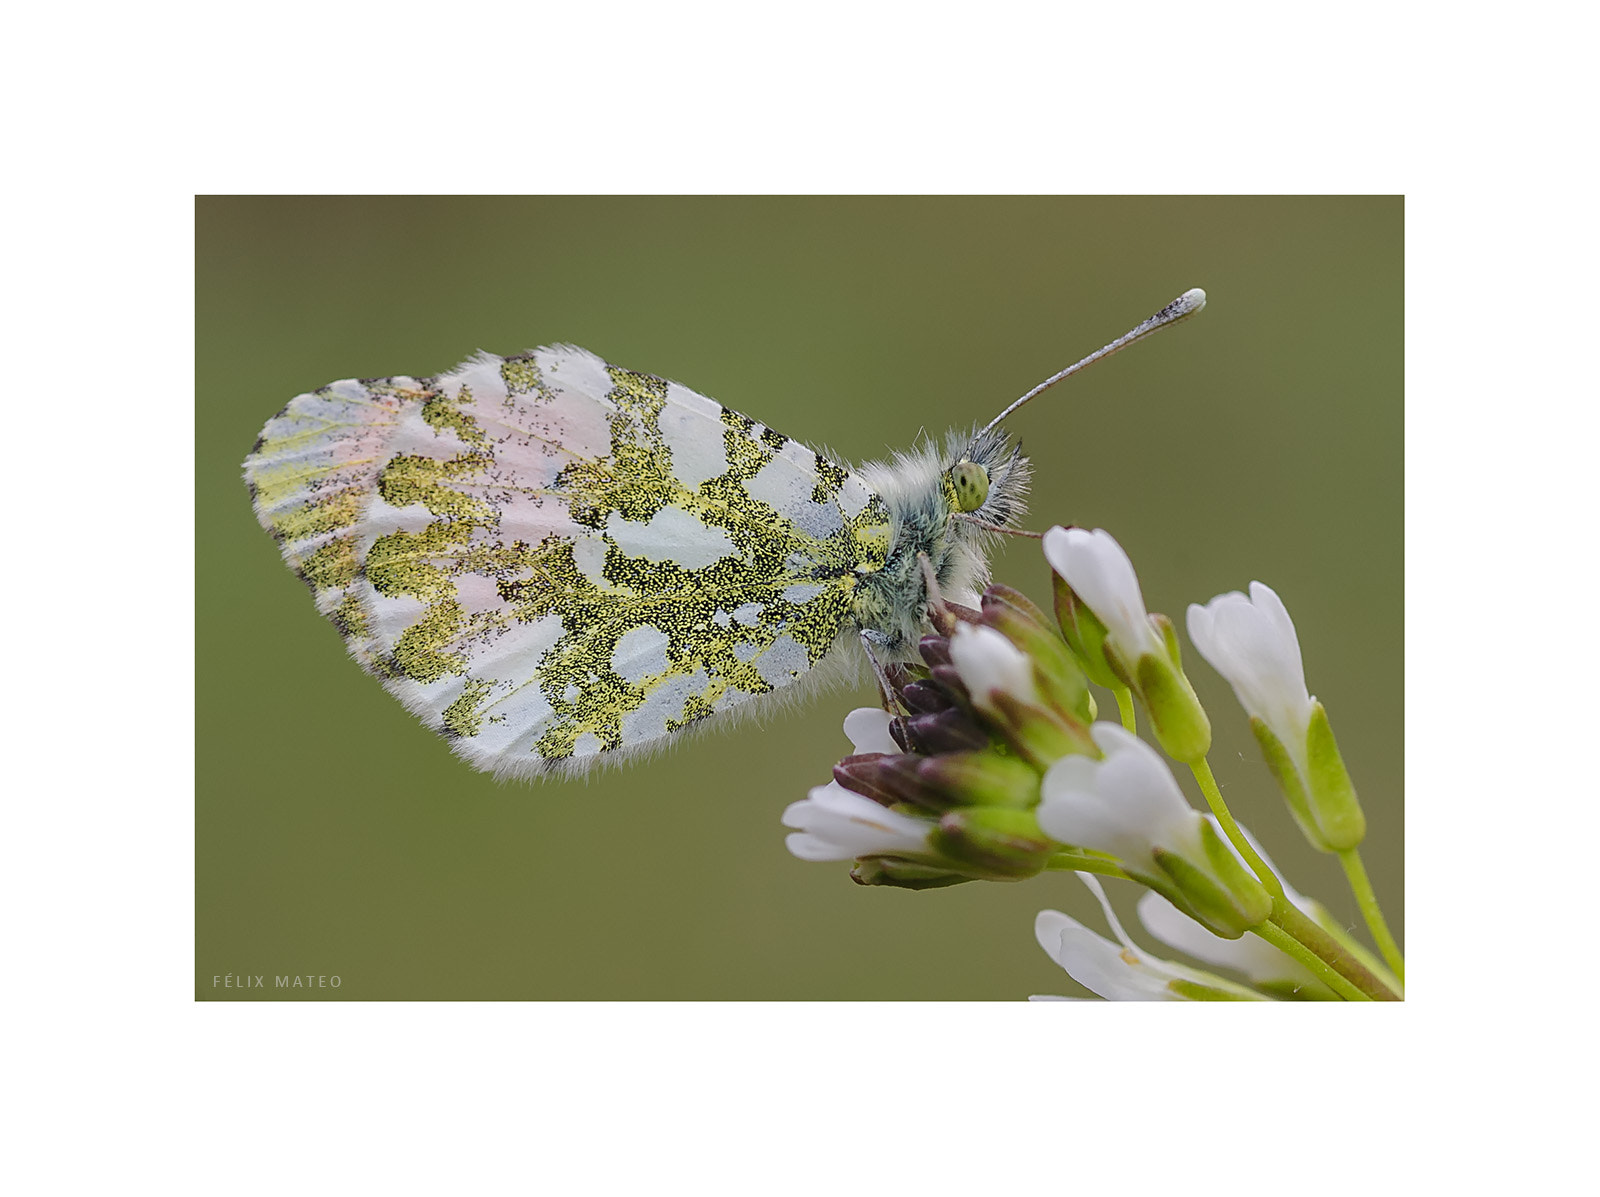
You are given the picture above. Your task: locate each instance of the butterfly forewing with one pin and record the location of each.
(552, 560)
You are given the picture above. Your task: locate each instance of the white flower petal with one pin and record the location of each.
(988, 662)
(1137, 784)
(1250, 955)
(1075, 772)
(1125, 804)
(1119, 972)
(1251, 642)
(1266, 600)
(1202, 630)
(868, 729)
(1072, 810)
(1083, 819)
(838, 824)
(809, 847)
(1100, 966)
(1094, 886)
(1101, 574)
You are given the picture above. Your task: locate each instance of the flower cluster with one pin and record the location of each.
(944, 789)
(988, 763)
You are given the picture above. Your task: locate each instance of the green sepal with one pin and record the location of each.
(1282, 767)
(1327, 812)
(1251, 899)
(1161, 883)
(1040, 735)
(1195, 991)
(998, 595)
(1219, 891)
(1169, 637)
(1176, 716)
(994, 843)
(1333, 794)
(903, 874)
(1297, 991)
(1085, 634)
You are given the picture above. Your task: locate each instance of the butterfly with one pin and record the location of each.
(557, 562)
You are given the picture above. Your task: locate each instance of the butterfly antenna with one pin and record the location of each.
(1181, 308)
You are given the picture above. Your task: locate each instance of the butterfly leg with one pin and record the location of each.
(877, 640)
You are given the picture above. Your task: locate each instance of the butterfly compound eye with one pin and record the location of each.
(971, 483)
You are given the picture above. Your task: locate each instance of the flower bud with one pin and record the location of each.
(1101, 576)
(924, 698)
(1060, 678)
(1129, 805)
(954, 730)
(995, 843)
(990, 665)
(903, 874)
(934, 650)
(1085, 635)
(1040, 735)
(890, 781)
(1176, 717)
(1002, 682)
(1104, 616)
(1252, 643)
(981, 779)
(860, 774)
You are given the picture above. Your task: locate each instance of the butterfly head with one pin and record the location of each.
(988, 478)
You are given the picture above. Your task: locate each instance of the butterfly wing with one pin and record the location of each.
(555, 561)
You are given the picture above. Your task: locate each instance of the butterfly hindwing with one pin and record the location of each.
(553, 560)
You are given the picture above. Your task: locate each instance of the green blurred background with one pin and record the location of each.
(336, 836)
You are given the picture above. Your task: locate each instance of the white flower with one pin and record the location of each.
(1257, 959)
(1122, 971)
(868, 729)
(1126, 804)
(832, 823)
(1251, 642)
(989, 663)
(1100, 574)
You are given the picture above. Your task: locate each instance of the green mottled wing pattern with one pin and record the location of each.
(555, 561)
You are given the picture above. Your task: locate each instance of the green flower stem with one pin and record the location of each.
(1328, 949)
(1077, 862)
(1359, 950)
(1125, 708)
(1208, 786)
(1288, 944)
(1361, 886)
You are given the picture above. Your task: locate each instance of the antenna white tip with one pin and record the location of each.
(1187, 304)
